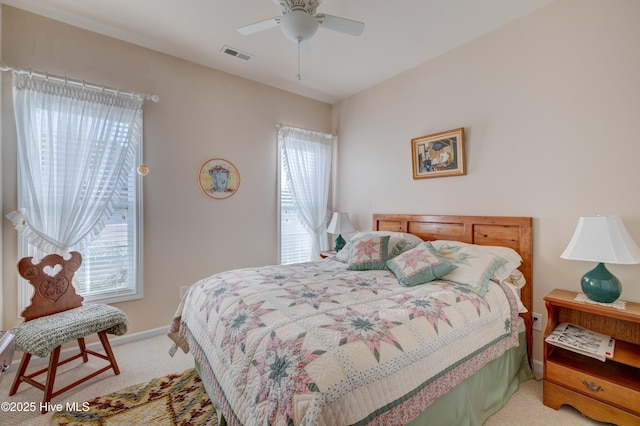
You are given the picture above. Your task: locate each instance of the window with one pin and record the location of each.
(76, 187)
(295, 241)
(111, 266)
(304, 171)
(109, 271)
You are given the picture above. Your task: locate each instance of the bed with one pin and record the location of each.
(356, 339)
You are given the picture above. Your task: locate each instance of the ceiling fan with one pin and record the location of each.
(299, 22)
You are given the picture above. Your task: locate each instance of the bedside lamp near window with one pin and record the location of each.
(602, 239)
(340, 224)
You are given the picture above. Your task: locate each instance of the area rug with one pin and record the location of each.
(176, 399)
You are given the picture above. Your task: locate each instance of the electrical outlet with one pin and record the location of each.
(537, 321)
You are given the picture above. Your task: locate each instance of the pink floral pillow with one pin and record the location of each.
(420, 265)
(369, 253)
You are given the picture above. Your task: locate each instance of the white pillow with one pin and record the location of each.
(510, 255)
(516, 279)
(475, 264)
(504, 271)
(516, 293)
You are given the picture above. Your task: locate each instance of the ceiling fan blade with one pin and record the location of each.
(259, 26)
(342, 25)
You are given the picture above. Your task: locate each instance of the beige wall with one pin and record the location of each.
(550, 105)
(202, 114)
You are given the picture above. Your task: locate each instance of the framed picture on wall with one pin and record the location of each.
(438, 155)
(219, 178)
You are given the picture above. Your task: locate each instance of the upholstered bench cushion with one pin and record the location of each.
(42, 335)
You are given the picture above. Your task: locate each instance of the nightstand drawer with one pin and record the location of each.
(594, 386)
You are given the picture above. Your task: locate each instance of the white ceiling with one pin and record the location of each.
(398, 35)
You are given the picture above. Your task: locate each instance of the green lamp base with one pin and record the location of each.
(600, 285)
(339, 243)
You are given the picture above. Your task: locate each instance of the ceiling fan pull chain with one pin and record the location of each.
(299, 41)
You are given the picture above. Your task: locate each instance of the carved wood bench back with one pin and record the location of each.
(51, 279)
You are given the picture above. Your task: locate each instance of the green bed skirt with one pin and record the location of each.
(472, 401)
(481, 395)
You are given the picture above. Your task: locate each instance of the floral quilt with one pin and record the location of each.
(317, 344)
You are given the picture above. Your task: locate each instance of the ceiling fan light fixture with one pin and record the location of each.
(298, 25)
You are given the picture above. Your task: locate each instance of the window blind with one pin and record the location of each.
(295, 241)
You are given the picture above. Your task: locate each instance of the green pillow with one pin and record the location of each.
(420, 265)
(369, 253)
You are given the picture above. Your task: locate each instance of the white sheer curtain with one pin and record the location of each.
(76, 147)
(306, 159)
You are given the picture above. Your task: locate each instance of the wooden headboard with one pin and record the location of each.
(513, 232)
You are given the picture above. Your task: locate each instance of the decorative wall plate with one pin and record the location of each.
(219, 178)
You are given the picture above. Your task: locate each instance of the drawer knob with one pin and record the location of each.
(592, 386)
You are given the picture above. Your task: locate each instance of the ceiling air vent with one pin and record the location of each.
(236, 53)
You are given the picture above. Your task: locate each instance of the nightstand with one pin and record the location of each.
(327, 253)
(607, 391)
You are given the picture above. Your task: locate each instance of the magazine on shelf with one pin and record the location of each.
(582, 340)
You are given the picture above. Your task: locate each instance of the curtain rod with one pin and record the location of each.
(67, 80)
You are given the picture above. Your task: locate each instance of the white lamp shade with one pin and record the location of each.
(602, 239)
(340, 224)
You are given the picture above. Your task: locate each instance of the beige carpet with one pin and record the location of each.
(146, 360)
(139, 362)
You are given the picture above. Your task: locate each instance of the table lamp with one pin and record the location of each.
(340, 224)
(602, 239)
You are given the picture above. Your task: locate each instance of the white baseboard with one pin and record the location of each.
(96, 346)
(537, 369)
